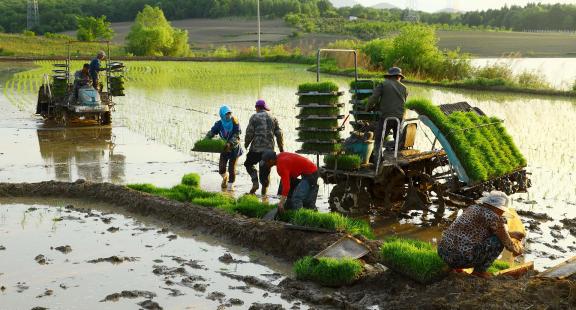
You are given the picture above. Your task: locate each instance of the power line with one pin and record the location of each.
(412, 11)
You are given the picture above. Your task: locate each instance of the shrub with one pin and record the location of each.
(319, 135)
(415, 259)
(251, 206)
(322, 147)
(495, 71)
(532, 80)
(209, 145)
(328, 271)
(191, 179)
(331, 221)
(321, 87)
(343, 162)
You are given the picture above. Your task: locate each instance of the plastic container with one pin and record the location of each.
(364, 149)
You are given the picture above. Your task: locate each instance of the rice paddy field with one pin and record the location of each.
(174, 104)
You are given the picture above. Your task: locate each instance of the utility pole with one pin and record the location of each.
(258, 12)
(412, 12)
(32, 16)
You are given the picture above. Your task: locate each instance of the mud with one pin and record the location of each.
(129, 294)
(150, 305)
(113, 259)
(269, 237)
(64, 249)
(534, 215)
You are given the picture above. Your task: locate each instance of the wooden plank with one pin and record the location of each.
(561, 271)
(516, 271)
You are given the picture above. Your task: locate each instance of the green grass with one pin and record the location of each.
(330, 221)
(20, 45)
(319, 135)
(332, 111)
(322, 100)
(321, 87)
(191, 179)
(215, 200)
(485, 152)
(321, 147)
(328, 271)
(209, 145)
(415, 259)
(319, 123)
(343, 162)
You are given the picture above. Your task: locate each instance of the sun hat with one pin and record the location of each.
(394, 71)
(496, 199)
(102, 53)
(261, 104)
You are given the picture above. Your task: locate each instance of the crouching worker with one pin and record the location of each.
(228, 128)
(289, 167)
(479, 235)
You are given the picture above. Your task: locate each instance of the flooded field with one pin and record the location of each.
(169, 105)
(70, 254)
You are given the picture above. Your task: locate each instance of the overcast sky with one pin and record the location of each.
(464, 5)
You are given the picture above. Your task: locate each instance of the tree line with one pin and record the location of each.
(61, 15)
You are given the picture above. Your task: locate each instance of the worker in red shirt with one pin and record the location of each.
(289, 167)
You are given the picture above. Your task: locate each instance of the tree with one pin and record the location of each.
(92, 28)
(152, 35)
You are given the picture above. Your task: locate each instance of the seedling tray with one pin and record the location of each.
(319, 117)
(319, 129)
(315, 93)
(365, 116)
(361, 91)
(308, 152)
(345, 247)
(317, 141)
(320, 105)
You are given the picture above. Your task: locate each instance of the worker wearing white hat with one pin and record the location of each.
(478, 236)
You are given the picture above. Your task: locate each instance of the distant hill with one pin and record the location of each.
(449, 10)
(343, 3)
(385, 6)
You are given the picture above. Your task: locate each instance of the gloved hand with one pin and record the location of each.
(281, 204)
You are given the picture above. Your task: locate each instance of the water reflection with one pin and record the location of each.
(81, 152)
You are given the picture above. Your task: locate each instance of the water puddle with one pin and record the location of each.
(71, 254)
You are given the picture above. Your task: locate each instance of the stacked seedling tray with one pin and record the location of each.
(60, 78)
(116, 79)
(361, 90)
(320, 114)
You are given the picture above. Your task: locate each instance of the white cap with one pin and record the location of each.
(496, 199)
(101, 53)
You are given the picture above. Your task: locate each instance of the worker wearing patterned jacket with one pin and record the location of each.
(262, 133)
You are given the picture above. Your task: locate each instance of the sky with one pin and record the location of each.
(463, 5)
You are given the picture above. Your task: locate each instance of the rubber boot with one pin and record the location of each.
(254, 188)
(224, 181)
(230, 186)
(264, 190)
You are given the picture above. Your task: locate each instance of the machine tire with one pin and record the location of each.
(350, 198)
(106, 118)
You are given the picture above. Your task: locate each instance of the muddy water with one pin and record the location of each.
(170, 105)
(36, 271)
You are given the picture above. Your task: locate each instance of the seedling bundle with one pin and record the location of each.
(209, 145)
(320, 112)
(481, 143)
(117, 85)
(343, 162)
(328, 271)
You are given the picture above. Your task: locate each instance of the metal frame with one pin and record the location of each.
(396, 140)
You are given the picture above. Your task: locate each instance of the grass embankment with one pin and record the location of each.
(328, 271)
(250, 206)
(21, 45)
(419, 260)
(481, 143)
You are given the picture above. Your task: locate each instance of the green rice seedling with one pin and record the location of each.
(319, 135)
(146, 188)
(191, 179)
(498, 265)
(321, 147)
(417, 260)
(343, 162)
(322, 100)
(332, 111)
(319, 123)
(331, 221)
(321, 87)
(328, 271)
(214, 200)
(209, 145)
(251, 206)
(362, 84)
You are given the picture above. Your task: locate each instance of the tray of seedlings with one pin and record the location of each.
(209, 145)
(320, 111)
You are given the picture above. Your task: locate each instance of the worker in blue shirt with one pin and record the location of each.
(95, 68)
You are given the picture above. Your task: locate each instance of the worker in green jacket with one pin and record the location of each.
(389, 98)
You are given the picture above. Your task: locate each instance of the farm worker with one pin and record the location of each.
(389, 98)
(289, 167)
(228, 128)
(81, 78)
(95, 68)
(260, 134)
(478, 236)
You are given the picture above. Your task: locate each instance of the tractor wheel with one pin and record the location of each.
(350, 198)
(62, 117)
(391, 190)
(106, 118)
